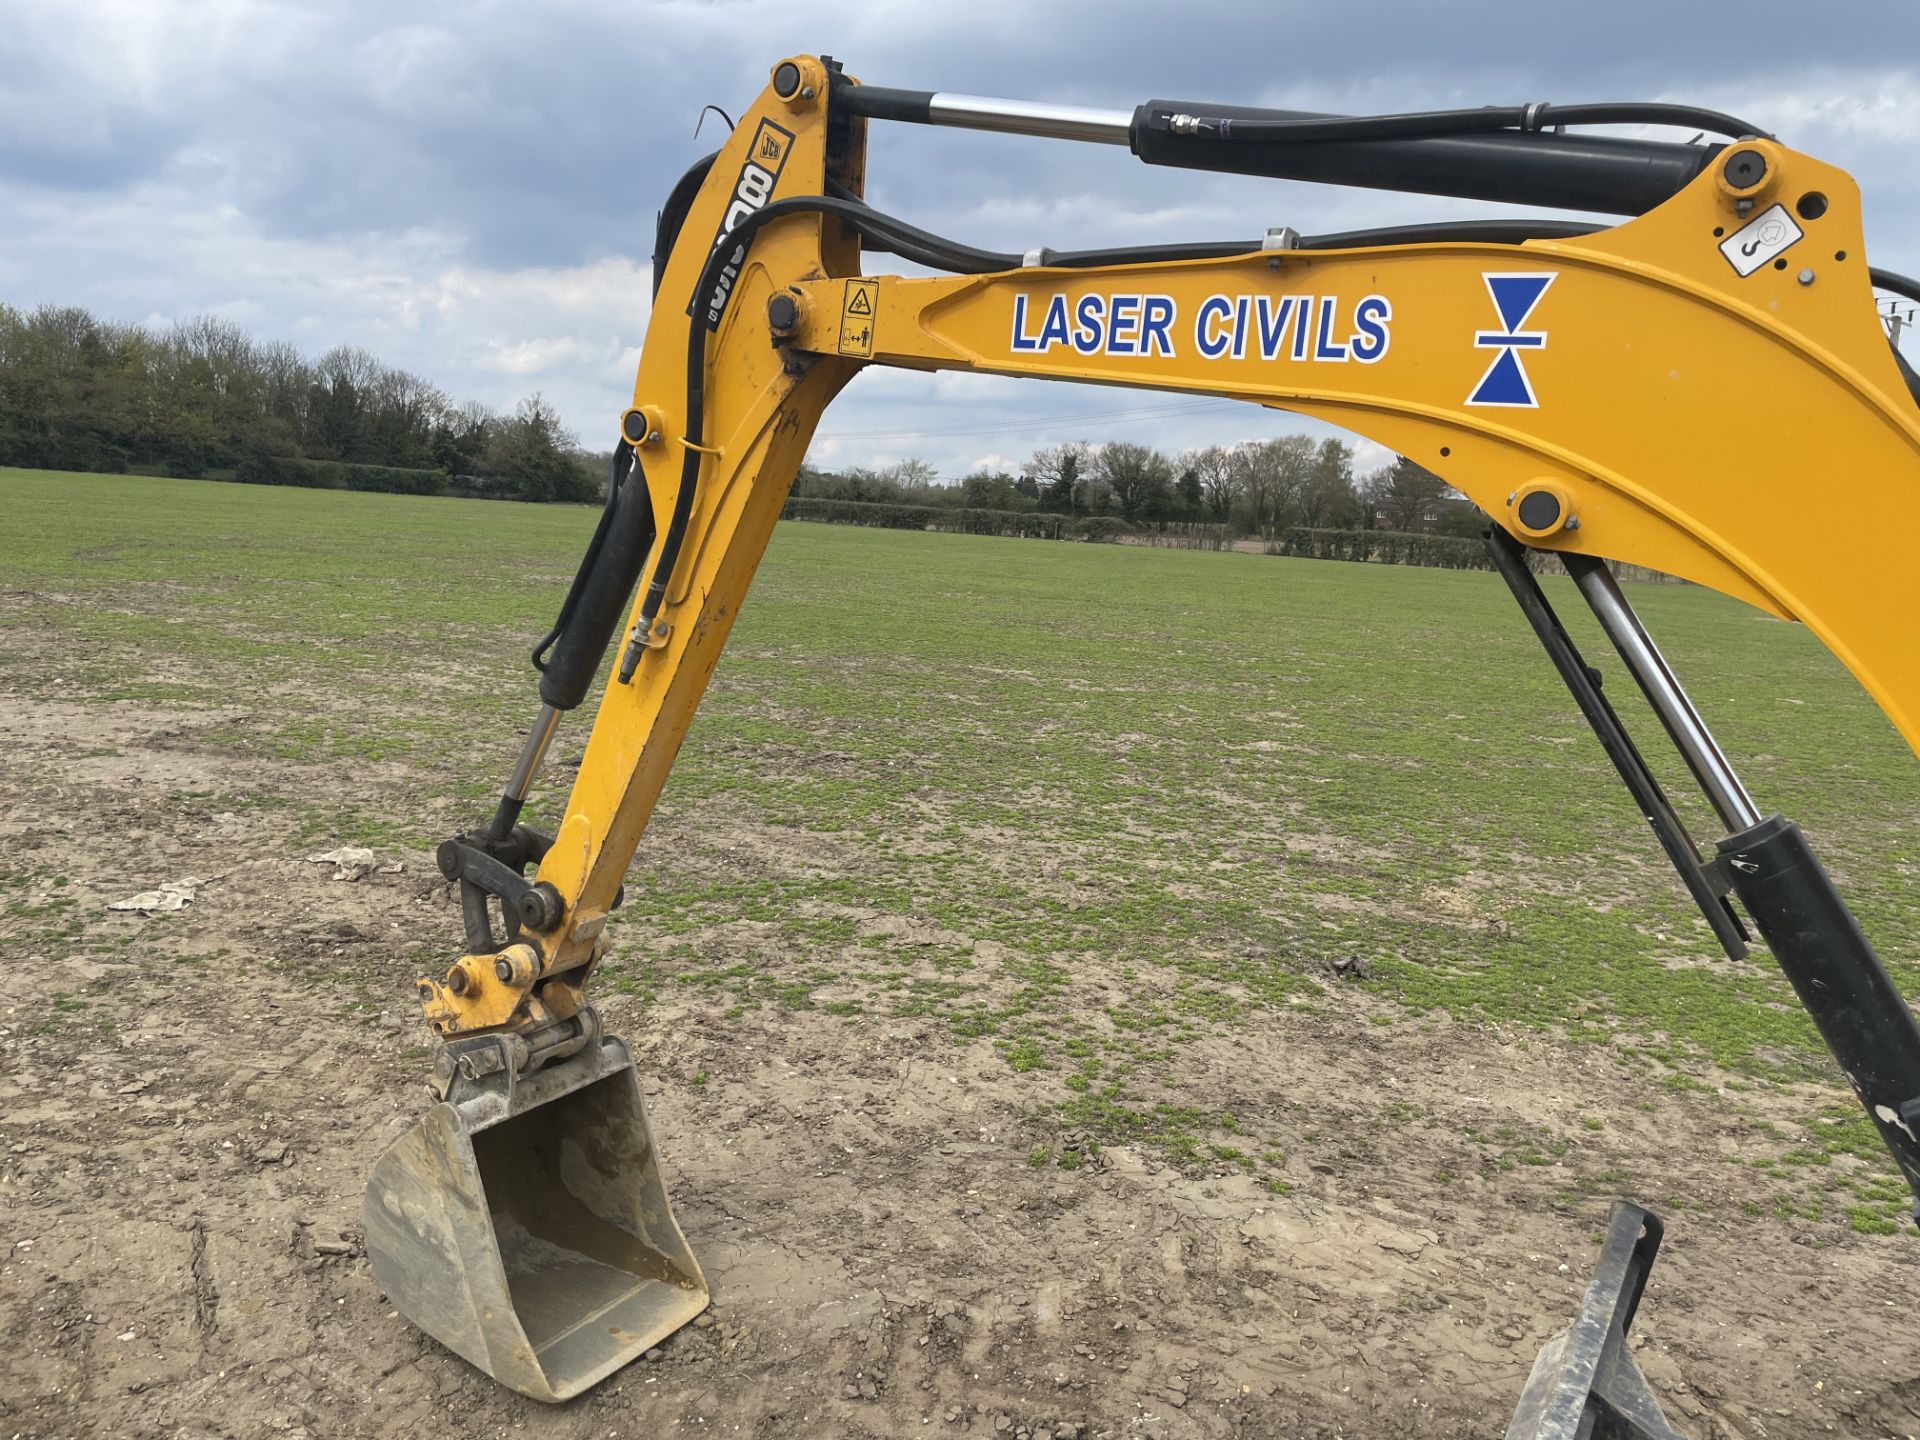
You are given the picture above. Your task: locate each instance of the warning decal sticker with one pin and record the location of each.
(856, 318)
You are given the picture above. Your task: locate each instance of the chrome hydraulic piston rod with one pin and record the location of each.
(528, 765)
(1574, 171)
(1791, 899)
(1657, 682)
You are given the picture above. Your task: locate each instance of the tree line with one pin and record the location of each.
(1259, 488)
(203, 397)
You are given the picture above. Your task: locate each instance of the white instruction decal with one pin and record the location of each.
(1760, 239)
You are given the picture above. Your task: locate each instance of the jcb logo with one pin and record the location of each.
(751, 192)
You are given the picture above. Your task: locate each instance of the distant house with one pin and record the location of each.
(1450, 514)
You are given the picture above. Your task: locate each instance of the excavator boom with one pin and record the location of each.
(1665, 391)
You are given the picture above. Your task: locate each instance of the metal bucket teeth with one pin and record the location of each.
(523, 1224)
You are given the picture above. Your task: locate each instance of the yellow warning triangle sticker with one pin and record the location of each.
(859, 304)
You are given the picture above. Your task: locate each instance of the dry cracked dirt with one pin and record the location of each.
(191, 1100)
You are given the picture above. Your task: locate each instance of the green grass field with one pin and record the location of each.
(1213, 775)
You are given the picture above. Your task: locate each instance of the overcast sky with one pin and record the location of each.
(469, 189)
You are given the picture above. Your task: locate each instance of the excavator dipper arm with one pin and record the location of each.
(1704, 389)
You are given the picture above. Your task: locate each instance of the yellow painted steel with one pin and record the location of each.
(1751, 433)
(761, 406)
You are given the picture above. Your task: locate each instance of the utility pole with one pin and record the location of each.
(1894, 320)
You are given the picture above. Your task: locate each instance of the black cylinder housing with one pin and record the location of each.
(1572, 171)
(602, 600)
(1827, 959)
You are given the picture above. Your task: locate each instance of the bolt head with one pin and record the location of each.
(1806, 277)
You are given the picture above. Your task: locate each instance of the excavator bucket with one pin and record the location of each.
(523, 1224)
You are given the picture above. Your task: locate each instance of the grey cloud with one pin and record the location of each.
(184, 157)
(539, 132)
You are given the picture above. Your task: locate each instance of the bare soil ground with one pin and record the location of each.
(184, 1136)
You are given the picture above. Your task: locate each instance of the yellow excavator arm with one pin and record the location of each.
(1665, 392)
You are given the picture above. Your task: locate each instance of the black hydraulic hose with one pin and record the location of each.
(937, 253)
(697, 330)
(891, 236)
(1484, 232)
(1432, 124)
(666, 226)
(1903, 285)
(923, 247)
(1908, 288)
(666, 231)
(940, 252)
(876, 227)
(1534, 154)
(1565, 168)
(1494, 232)
(906, 240)
(1642, 112)
(1908, 375)
(918, 107)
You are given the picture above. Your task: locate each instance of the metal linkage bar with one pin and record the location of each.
(1585, 1384)
(1707, 885)
(1820, 947)
(1657, 682)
